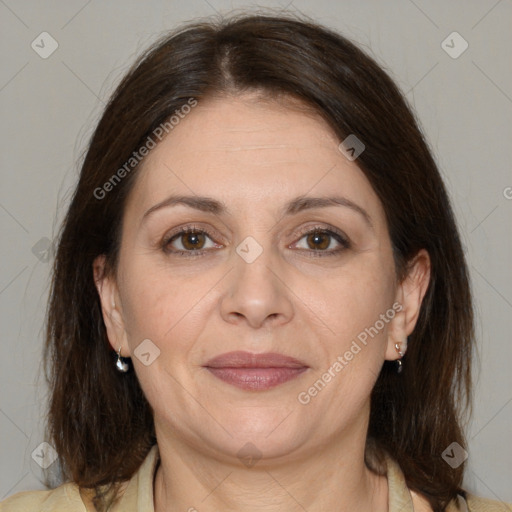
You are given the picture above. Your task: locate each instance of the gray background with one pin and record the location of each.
(49, 108)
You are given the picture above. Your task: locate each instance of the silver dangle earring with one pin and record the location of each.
(121, 365)
(399, 364)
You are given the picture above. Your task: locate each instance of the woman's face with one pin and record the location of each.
(250, 278)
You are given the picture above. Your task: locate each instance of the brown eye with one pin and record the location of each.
(323, 242)
(318, 240)
(189, 241)
(192, 240)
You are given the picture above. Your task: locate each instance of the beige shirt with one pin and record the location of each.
(138, 495)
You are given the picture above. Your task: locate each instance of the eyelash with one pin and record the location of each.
(331, 231)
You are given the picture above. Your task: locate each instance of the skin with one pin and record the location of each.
(255, 156)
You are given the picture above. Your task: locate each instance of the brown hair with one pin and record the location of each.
(99, 420)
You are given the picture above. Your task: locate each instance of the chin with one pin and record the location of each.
(259, 435)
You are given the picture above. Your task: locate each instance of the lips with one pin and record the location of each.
(255, 372)
(248, 360)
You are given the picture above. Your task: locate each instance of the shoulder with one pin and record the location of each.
(402, 498)
(471, 504)
(134, 494)
(65, 497)
(476, 504)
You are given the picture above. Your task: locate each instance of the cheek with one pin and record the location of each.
(353, 299)
(162, 304)
(357, 308)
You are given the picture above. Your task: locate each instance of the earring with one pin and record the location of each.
(121, 365)
(401, 353)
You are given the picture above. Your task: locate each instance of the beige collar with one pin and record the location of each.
(400, 499)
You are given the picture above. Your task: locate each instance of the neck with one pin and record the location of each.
(188, 480)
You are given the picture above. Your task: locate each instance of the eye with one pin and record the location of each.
(321, 240)
(189, 240)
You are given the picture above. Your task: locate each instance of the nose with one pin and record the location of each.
(257, 293)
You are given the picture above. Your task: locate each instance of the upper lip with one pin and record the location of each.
(241, 359)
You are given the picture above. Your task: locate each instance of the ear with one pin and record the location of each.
(408, 300)
(110, 306)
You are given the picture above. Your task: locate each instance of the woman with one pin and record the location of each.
(260, 299)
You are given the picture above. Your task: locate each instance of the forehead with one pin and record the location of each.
(246, 151)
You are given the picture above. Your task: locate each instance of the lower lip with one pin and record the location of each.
(256, 379)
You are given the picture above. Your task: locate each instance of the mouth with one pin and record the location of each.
(256, 372)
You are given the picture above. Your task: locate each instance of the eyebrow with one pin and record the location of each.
(296, 205)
